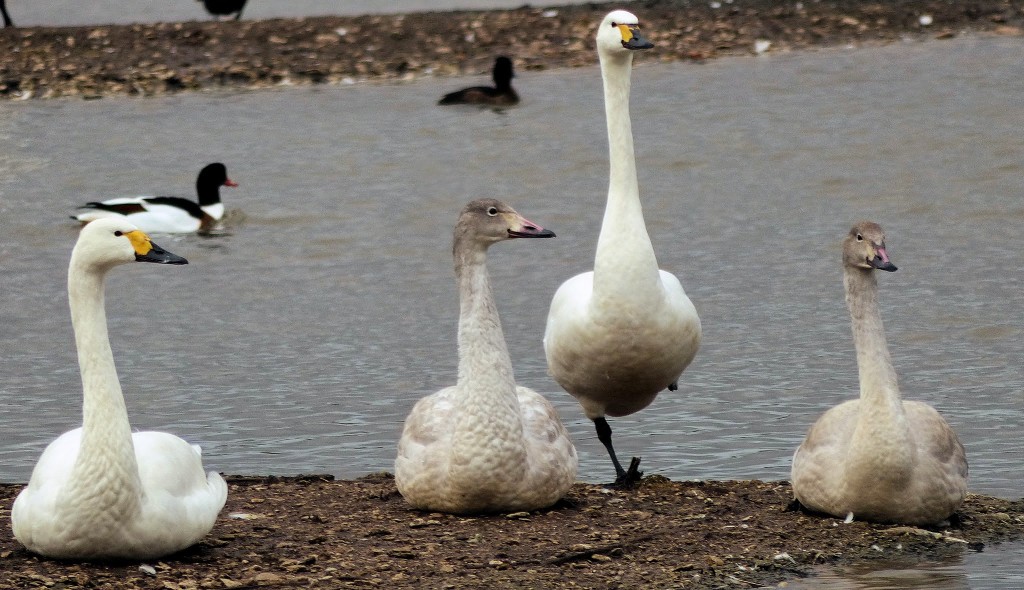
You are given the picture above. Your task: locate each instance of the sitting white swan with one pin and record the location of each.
(484, 444)
(617, 336)
(878, 458)
(101, 491)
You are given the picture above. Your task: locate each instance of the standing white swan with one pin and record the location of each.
(101, 491)
(617, 336)
(484, 444)
(878, 458)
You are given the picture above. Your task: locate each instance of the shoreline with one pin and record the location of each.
(314, 531)
(166, 58)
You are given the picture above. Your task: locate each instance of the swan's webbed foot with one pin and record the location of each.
(628, 479)
(955, 520)
(673, 386)
(623, 478)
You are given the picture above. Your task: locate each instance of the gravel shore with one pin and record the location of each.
(313, 532)
(154, 59)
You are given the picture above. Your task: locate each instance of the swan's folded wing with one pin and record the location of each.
(428, 424)
(815, 471)
(552, 456)
(541, 421)
(173, 466)
(937, 439)
(35, 506)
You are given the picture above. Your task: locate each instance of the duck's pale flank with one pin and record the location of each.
(168, 214)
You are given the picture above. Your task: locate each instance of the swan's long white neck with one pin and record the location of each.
(877, 376)
(106, 451)
(882, 421)
(486, 382)
(625, 260)
(484, 362)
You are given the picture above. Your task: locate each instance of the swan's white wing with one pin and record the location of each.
(170, 464)
(817, 472)
(33, 512)
(181, 500)
(422, 462)
(568, 308)
(551, 450)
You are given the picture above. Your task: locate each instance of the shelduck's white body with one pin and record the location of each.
(168, 214)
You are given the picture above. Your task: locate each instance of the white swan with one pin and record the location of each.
(878, 458)
(168, 214)
(101, 491)
(617, 336)
(484, 444)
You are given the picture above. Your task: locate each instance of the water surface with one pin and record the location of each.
(52, 13)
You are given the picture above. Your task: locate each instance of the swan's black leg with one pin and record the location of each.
(673, 386)
(623, 477)
(3, 12)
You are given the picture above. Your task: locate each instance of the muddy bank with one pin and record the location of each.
(153, 59)
(315, 532)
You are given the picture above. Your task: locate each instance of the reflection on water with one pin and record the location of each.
(974, 570)
(298, 341)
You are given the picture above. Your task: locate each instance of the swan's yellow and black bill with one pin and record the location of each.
(632, 39)
(147, 251)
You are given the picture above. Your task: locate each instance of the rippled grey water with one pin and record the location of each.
(76, 12)
(298, 342)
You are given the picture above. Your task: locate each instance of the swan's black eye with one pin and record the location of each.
(860, 238)
(615, 25)
(492, 211)
(118, 233)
